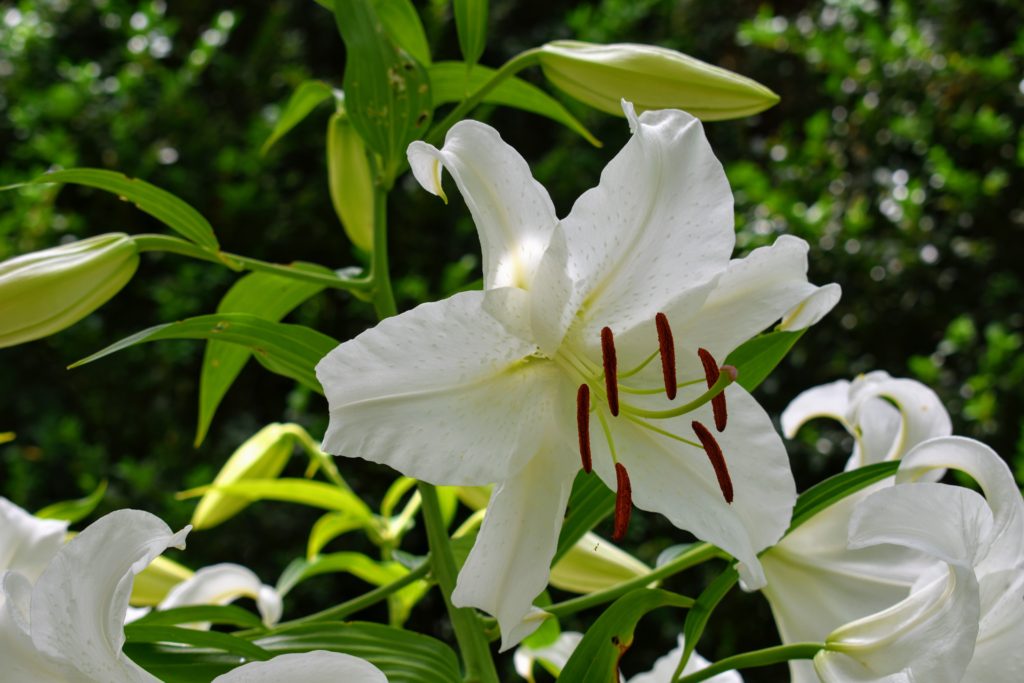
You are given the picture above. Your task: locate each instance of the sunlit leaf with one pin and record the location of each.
(305, 99)
(75, 510)
(471, 25)
(329, 527)
(756, 358)
(303, 491)
(356, 564)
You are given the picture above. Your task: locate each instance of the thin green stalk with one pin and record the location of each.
(701, 552)
(383, 297)
(476, 651)
(507, 70)
(749, 660)
(174, 245)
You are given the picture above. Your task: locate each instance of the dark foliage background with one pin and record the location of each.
(897, 152)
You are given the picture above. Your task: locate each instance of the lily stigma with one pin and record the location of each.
(550, 367)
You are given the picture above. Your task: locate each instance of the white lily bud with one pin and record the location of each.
(593, 564)
(154, 582)
(43, 292)
(263, 456)
(350, 180)
(651, 78)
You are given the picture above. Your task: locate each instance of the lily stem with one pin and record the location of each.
(749, 660)
(476, 651)
(702, 552)
(383, 296)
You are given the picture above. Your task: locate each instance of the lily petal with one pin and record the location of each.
(924, 416)
(221, 584)
(827, 400)
(998, 655)
(513, 213)
(665, 667)
(317, 666)
(27, 543)
(677, 481)
(753, 293)
(552, 657)
(656, 231)
(22, 662)
(80, 600)
(996, 481)
(510, 562)
(443, 393)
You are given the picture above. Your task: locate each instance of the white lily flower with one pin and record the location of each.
(962, 621)
(220, 584)
(27, 543)
(815, 582)
(69, 626)
(554, 657)
(511, 384)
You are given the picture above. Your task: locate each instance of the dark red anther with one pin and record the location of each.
(714, 452)
(623, 502)
(611, 369)
(668, 354)
(711, 373)
(583, 425)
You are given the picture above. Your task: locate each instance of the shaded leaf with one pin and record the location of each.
(589, 503)
(214, 614)
(305, 99)
(756, 358)
(471, 25)
(75, 510)
(835, 488)
(142, 633)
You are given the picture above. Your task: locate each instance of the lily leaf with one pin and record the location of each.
(75, 510)
(136, 633)
(262, 294)
(214, 614)
(756, 358)
(305, 99)
(329, 527)
(160, 204)
(357, 564)
(313, 493)
(289, 350)
(454, 81)
(835, 488)
(697, 617)
(471, 25)
(598, 654)
(589, 503)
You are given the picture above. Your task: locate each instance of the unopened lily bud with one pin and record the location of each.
(351, 183)
(651, 78)
(593, 564)
(46, 291)
(154, 582)
(263, 456)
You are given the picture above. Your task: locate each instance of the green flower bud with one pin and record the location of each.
(263, 456)
(593, 564)
(651, 78)
(46, 291)
(350, 180)
(154, 582)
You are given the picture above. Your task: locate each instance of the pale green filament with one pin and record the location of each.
(724, 380)
(658, 430)
(608, 437)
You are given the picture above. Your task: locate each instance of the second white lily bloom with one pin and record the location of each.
(508, 385)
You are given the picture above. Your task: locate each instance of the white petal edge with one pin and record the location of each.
(317, 666)
(923, 415)
(510, 562)
(27, 543)
(80, 600)
(513, 213)
(220, 584)
(812, 309)
(827, 400)
(443, 393)
(552, 657)
(665, 666)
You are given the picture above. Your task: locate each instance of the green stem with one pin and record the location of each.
(383, 296)
(701, 552)
(362, 602)
(507, 70)
(749, 660)
(476, 651)
(174, 245)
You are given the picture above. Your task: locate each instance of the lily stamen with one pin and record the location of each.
(611, 380)
(724, 380)
(623, 502)
(583, 425)
(717, 459)
(667, 348)
(711, 373)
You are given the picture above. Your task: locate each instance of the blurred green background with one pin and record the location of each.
(897, 152)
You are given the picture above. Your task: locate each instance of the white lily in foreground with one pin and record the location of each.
(68, 626)
(815, 582)
(27, 543)
(964, 618)
(551, 365)
(554, 657)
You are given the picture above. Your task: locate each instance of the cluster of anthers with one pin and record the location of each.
(717, 379)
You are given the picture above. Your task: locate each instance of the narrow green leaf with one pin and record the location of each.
(356, 564)
(757, 357)
(179, 664)
(403, 656)
(313, 493)
(835, 488)
(387, 92)
(193, 614)
(305, 99)
(589, 503)
(697, 617)
(75, 510)
(135, 633)
(403, 23)
(471, 25)
(329, 527)
(597, 656)
(289, 350)
(268, 296)
(454, 81)
(160, 204)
